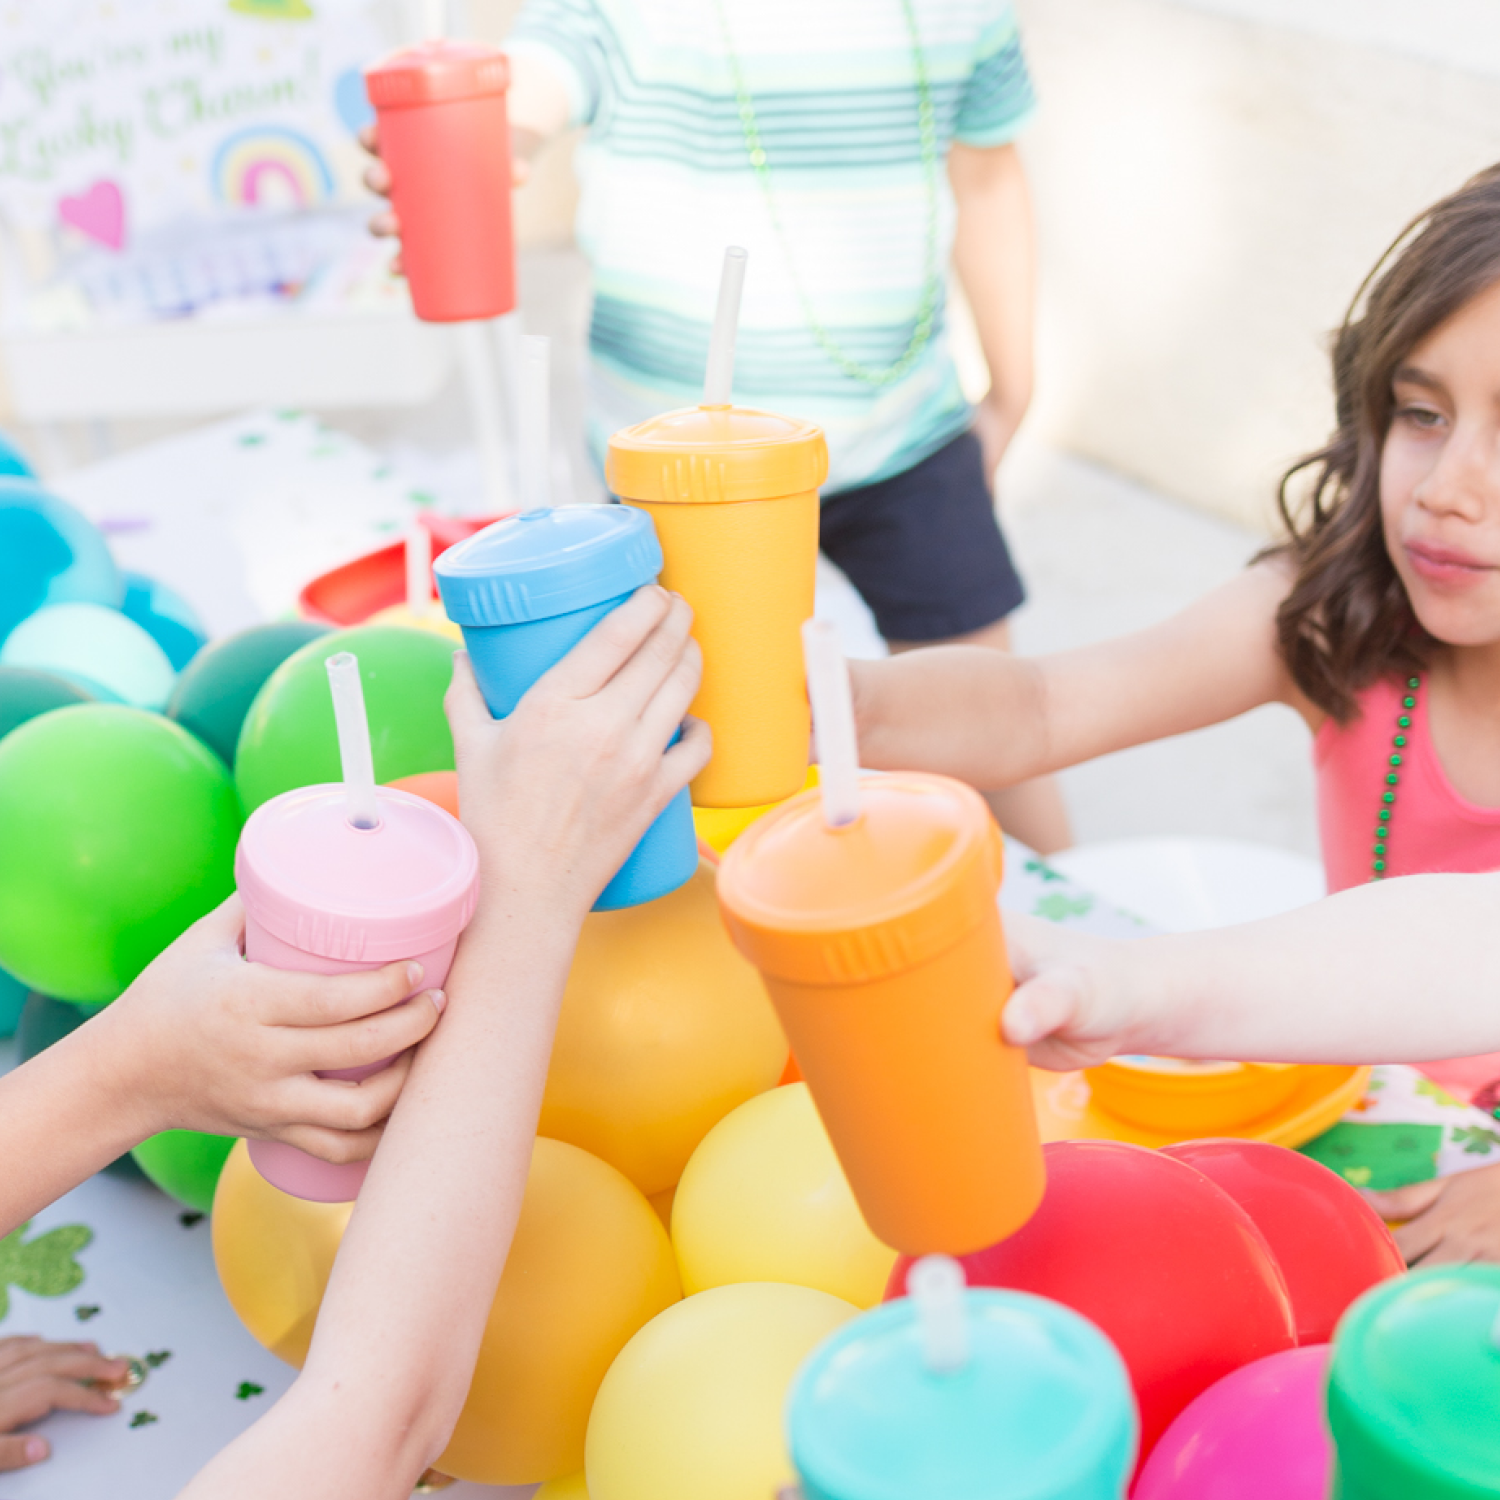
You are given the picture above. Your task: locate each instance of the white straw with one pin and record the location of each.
(936, 1287)
(718, 376)
(419, 570)
(533, 410)
(833, 719)
(354, 739)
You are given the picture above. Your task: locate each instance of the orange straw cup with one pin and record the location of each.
(734, 495)
(881, 946)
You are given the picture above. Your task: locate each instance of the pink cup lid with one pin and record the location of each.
(436, 72)
(362, 895)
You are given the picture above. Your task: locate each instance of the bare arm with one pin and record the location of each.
(994, 254)
(994, 720)
(1395, 971)
(203, 1040)
(556, 796)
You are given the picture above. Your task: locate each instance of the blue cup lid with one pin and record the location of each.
(1043, 1408)
(547, 562)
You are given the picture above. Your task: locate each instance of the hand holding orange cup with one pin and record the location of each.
(870, 909)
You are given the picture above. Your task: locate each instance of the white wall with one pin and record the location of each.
(1214, 178)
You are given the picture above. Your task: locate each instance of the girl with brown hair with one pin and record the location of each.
(1378, 621)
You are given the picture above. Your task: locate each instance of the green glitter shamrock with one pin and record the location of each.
(1058, 906)
(44, 1266)
(248, 1388)
(144, 1418)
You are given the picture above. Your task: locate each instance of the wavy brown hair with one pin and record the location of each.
(1347, 621)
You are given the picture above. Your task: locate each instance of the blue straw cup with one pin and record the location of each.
(525, 591)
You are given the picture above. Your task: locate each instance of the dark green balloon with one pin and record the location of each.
(117, 832)
(24, 694)
(216, 689)
(185, 1164)
(44, 1022)
(289, 739)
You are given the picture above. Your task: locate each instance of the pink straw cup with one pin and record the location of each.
(326, 897)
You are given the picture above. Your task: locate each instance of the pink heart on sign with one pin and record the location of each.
(99, 213)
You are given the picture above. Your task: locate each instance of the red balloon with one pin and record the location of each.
(1330, 1244)
(1170, 1267)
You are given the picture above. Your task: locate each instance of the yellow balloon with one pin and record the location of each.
(434, 620)
(765, 1199)
(719, 827)
(571, 1488)
(590, 1264)
(691, 1409)
(664, 1029)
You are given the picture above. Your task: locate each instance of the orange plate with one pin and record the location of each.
(1066, 1111)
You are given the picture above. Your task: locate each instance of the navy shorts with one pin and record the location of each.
(924, 548)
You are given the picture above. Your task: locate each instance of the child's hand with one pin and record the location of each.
(37, 1378)
(1070, 1009)
(1451, 1220)
(559, 793)
(203, 1040)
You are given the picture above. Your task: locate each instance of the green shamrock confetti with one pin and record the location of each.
(1042, 869)
(1476, 1140)
(86, 1310)
(1427, 1089)
(144, 1418)
(44, 1266)
(158, 1357)
(1058, 906)
(248, 1388)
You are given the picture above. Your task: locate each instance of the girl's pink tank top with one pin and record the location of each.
(1433, 829)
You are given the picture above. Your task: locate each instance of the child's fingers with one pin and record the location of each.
(32, 1399)
(22, 1449)
(293, 998)
(386, 226)
(366, 137)
(357, 1044)
(654, 661)
(73, 1362)
(468, 713)
(341, 1104)
(337, 1146)
(224, 926)
(1041, 1007)
(663, 715)
(595, 660)
(686, 758)
(16, 1348)
(1406, 1202)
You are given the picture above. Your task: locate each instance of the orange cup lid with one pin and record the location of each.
(705, 454)
(817, 905)
(435, 73)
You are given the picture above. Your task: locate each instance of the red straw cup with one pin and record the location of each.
(443, 133)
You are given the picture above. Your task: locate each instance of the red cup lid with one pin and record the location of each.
(362, 895)
(435, 73)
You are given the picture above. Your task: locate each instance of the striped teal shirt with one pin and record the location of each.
(666, 181)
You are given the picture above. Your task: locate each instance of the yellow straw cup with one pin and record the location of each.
(734, 495)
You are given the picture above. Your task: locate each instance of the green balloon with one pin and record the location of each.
(117, 832)
(44, 1022)
(289, 739)
(217, 687)
(185, 1164)
(24, 694)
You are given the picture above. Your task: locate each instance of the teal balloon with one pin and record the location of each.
(289, 739)
(13, 463)
(166, 617)
(24, 694)
(45, 1021)
(50, 553)
(215, 691)
(100, 649)
(185, 1164)
(12, 1002)
(117, 832)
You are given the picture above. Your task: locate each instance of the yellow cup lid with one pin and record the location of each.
(707, 454)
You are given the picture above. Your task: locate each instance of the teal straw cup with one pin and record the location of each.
(525, 591)
(1040, 1409)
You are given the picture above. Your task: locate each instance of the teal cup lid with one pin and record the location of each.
(547, 562)
(1042, 1408)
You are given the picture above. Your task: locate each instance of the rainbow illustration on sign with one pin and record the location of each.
(271, 165)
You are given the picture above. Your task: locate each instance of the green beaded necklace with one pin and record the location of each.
(933, 281)
(1379, 860)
